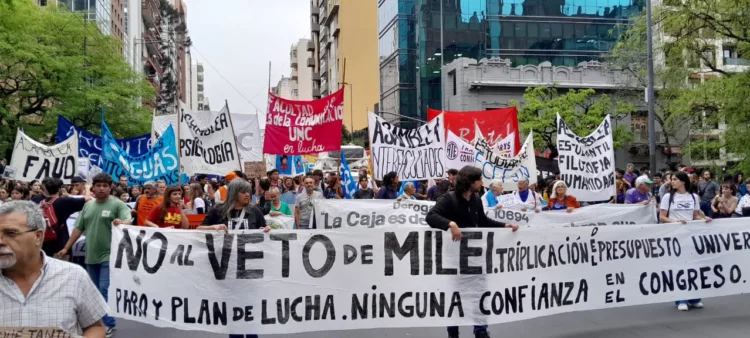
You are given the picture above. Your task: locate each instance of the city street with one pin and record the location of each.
(725, 317)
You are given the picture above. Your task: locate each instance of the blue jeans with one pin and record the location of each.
(99, 274)
(688, 302)
(453, 330)
(243, 336)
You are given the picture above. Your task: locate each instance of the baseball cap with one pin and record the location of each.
(77, 179)
(230, 176)
(643, 180)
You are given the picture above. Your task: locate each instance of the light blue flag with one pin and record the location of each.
(348, 184)
(159, 163)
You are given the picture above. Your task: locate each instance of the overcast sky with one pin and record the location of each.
(239, 38)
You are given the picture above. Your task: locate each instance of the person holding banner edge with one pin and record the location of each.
(462, 208)
(679, 205)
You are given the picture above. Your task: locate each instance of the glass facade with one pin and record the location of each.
(563, 32)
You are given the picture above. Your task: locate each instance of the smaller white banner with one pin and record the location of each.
(458, 153)
(508, 170)
(414, 154)
(334, 214)
(506, 146)
(587, 164)
(35, 161)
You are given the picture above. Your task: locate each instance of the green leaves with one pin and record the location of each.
(45, 72)
(582, 110)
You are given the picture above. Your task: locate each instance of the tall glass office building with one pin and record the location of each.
(563, 32)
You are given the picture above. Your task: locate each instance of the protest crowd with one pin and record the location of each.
(78, 215)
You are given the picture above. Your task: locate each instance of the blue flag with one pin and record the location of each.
(348, 184)
(159, 163)
(90, 145)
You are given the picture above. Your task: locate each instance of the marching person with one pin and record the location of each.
(333, 188)
(707, 190)
(96, 221)
(462, 208)
(389, 190)
(237, 212)
(743, 206)
(39, 291)
(278, 207)
(19, 193)
(169, 214)
(560, 200)
(641, 193)
(197, 205)
(409, 192)
(161, 187)
(679, 205)
(63, 208)
(363, 191)
(490, 198)
(303, 209)
(147, 202)
(527, 199)
(725, 204)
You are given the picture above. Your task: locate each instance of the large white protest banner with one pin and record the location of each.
(35, 161)
(458, 153)
(587, 164)
(249, 137)
(508, 170)
(248, 146)
(300, 281)
(414, 154)
(334, 214)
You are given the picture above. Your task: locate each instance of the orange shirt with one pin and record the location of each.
(145, 206)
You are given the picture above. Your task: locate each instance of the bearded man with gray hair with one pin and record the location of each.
(40, 291)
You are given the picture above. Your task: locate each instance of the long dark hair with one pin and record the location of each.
(167, 200)
(388, 180)
(682, 176)
(466, 177)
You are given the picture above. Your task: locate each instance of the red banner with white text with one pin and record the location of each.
(304, 127)
(494, 124)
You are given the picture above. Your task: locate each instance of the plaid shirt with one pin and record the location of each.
(63, 296)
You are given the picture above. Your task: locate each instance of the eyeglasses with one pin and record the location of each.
(10, 235)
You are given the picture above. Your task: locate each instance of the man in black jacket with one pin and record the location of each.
(462, 208)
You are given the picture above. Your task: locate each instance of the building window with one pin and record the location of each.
(453, 75)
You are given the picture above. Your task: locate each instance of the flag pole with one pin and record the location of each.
(179, 149)
(236, 145)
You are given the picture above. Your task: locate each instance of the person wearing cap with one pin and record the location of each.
(221, 194)
(641, 194)
(146, 202)
(79, 184)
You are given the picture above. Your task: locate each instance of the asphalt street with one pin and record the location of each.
(725, 317)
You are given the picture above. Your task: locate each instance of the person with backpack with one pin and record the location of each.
(679, 205)
(462, 208)
(56, 211)
(97, 220)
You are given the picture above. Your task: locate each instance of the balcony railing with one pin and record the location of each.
(736, 62)
(314, 10)
(310, 62)
(150, 13)
(315, 27)
(310, 46)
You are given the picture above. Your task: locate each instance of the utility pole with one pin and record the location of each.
(650, 91)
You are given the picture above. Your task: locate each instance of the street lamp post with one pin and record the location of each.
(650, 91)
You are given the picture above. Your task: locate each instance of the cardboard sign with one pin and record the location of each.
(255, 169)
(9, 173)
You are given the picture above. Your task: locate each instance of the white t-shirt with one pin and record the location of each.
(683, 206)
(744, 203)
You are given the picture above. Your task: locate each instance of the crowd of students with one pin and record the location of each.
(237, 203)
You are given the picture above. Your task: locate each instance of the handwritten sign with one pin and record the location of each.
(35, 161)
(255, 169)
(587, 163)
(34, 332)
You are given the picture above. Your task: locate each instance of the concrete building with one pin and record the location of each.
(418, 37)
(344, 48)
(471, 85)
(302, 77)
(284, 88)
(199, 97)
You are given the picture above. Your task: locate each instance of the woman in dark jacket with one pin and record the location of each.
(390, 188)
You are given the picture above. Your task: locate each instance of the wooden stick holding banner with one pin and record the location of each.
(236, 141)
(179, 148)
